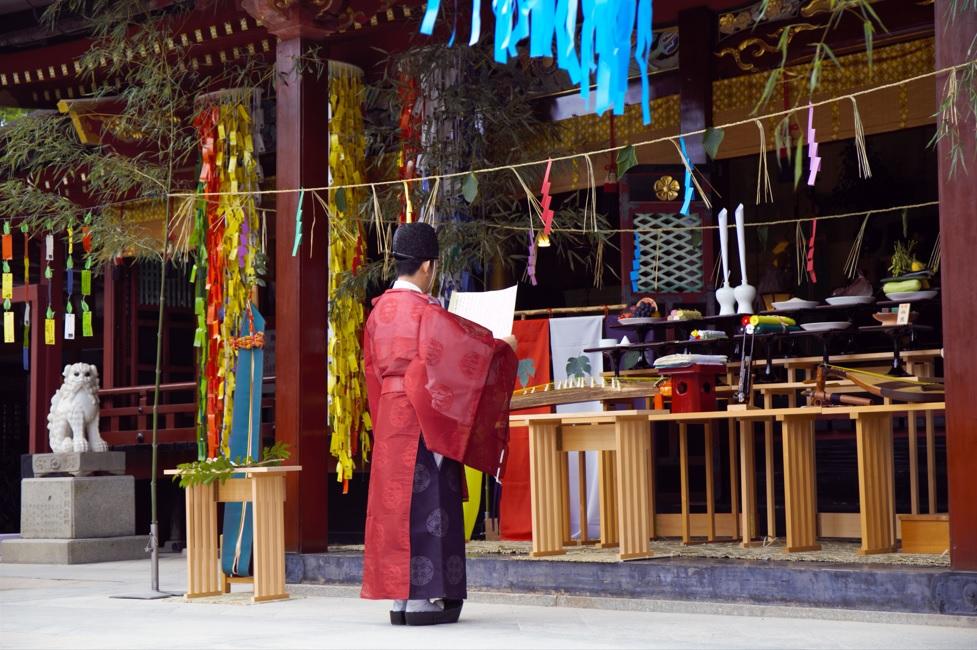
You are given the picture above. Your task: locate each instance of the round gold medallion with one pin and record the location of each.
(666, 188)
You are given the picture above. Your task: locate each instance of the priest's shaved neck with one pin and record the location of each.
(419, 273)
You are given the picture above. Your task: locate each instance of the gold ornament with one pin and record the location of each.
(666, 188)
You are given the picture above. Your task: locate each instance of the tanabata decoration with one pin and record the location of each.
(86, 277)
(225, 236)
(7, 292)
(812, 147)
(349, 420)
(604, 52)
(27, 306)
(69, 286)
(49, 321)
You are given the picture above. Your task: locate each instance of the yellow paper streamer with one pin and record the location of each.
(347, 160)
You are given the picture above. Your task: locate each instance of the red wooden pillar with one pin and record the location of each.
(958, 226)
(45, 360)
(697, 36)
(301, 282)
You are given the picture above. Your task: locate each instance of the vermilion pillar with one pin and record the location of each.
(958, 227)
(301, 282)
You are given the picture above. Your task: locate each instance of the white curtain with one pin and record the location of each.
(568, 339)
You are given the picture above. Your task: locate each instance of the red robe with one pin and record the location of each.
(426, 370)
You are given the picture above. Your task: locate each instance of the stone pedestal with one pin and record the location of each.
(76, 519)
(84, 463)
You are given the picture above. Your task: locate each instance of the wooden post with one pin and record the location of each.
(301, 282)
(545, 501)
(800, 501)
(683, 461)
(873, 434)
(710, 483)
(958, 195)
(748, 483)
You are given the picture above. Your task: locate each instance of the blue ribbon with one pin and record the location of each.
(587, 33)
(689, 190)
(431, 15)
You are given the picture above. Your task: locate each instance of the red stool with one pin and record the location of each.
(693, 387)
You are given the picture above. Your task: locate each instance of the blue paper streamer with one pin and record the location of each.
(689, 190)
(541, 36)
(70, 289)
(566, 30)
(431, 15)
(642, 50)
(476, 22)
(521, 30)
(454, 26)
(503, 27)
(587, 32)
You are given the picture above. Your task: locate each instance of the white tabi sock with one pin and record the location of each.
(399, 606)
(421, 605)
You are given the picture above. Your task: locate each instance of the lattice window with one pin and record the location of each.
(667, 261)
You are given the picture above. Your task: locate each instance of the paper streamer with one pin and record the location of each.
(812, 276)
(689, 190)
(431, 15)
(531, 263)
(546, 212)
(476, 21)
(609, 28)
(27, 336)
(298, 223)
(8, 327)
(812, 148)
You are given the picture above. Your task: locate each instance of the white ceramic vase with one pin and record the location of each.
(725, 294)
(745, 293)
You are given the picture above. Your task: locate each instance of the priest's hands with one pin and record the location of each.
(511, 340)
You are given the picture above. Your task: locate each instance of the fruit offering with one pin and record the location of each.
(645, 308)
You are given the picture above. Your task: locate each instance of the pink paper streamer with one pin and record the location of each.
(812, 147)
(547, 213)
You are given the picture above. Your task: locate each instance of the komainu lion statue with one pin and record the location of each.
(72, 423)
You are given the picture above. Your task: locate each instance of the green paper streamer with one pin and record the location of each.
(626, 159)
(470, 188)
(711, 140)
(86, 324)
(86, 283)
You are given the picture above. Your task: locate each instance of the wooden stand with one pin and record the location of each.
(264, 487)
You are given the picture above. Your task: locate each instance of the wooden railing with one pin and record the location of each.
(126, 413)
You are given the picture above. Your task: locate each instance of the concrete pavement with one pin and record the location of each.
(43, 606)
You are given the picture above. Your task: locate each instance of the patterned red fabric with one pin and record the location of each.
(515, 509)
(426, 370)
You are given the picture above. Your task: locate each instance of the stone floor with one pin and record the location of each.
(831, 551)
(43, 606)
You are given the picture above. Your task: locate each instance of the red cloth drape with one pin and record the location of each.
(515, 511)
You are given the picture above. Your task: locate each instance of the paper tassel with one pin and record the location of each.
(864, 169)
(546, 212)
(812, 148)
(763, 173)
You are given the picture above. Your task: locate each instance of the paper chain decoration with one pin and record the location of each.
(348, 417)
(604, 50)
(225, 236)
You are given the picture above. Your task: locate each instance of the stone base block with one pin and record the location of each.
(79, 463)
(73, 551)
(77, 508)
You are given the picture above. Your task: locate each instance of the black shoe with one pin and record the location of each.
(450, 614)
(398, 618)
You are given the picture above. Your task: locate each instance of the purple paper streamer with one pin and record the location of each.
(531, 265)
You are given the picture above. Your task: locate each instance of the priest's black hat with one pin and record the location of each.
(415, 241)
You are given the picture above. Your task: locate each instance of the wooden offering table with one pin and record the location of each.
(623, 440)
(876, 482)
(264, 487)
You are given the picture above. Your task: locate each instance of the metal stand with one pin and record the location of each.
(154, 593)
